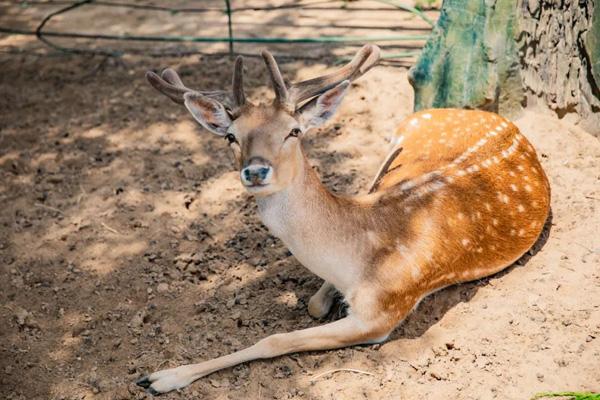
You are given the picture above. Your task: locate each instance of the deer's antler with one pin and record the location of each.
(290, 97)
(170, 84)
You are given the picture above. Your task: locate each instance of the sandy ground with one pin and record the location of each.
(128, 245)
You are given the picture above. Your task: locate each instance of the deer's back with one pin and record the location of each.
(473, 195)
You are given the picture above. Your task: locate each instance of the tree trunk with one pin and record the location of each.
(560, 52)
(495, 54)
(471, 59)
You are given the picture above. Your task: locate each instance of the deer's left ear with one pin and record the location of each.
(208, 112)
(317, 111)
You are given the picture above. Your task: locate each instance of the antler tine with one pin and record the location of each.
(169, 84)
(281, 92)
(364, 60)
(173, 78)
(239, 97)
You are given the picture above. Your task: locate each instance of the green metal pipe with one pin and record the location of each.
(322, 39)
(229, 27)
(198, 39)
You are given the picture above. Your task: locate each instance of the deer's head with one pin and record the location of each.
(265, 138)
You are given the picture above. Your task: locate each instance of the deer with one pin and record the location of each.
(460, 196)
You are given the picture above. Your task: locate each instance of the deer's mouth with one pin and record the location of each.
(256, 185)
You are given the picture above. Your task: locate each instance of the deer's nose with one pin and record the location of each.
(257, 172)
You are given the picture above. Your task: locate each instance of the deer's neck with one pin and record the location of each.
(313, 223)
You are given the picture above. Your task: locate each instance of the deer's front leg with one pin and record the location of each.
(320, 303)
(344, 332)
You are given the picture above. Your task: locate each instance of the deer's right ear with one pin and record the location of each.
(208, 112)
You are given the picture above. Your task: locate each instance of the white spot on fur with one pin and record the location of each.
(465, 242)
(521, 208)
(398, 140)
(513, 187)
(426, 116)
(407, 185)
(414, 122)
(528, 188)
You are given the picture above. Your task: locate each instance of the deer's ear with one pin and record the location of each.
(208, 112)
(316, 112)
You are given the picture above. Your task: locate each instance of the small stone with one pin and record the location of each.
(139, 319)
(25, 319)
(162, 287)
(282, 372)
(437, 375)
(540, 377)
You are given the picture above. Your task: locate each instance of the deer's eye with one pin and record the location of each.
(294, 133)
(230, 138)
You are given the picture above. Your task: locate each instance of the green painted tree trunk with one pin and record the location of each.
(471, 59)
(500, 54)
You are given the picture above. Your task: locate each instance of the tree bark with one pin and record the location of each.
(499, 54)
(560, 53)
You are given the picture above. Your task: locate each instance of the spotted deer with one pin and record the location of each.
(460, 197)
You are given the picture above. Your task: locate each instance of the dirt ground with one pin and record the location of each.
(128, 245)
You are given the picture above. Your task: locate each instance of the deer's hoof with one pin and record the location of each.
(166, 380)
(143, 382)
(153, 392)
